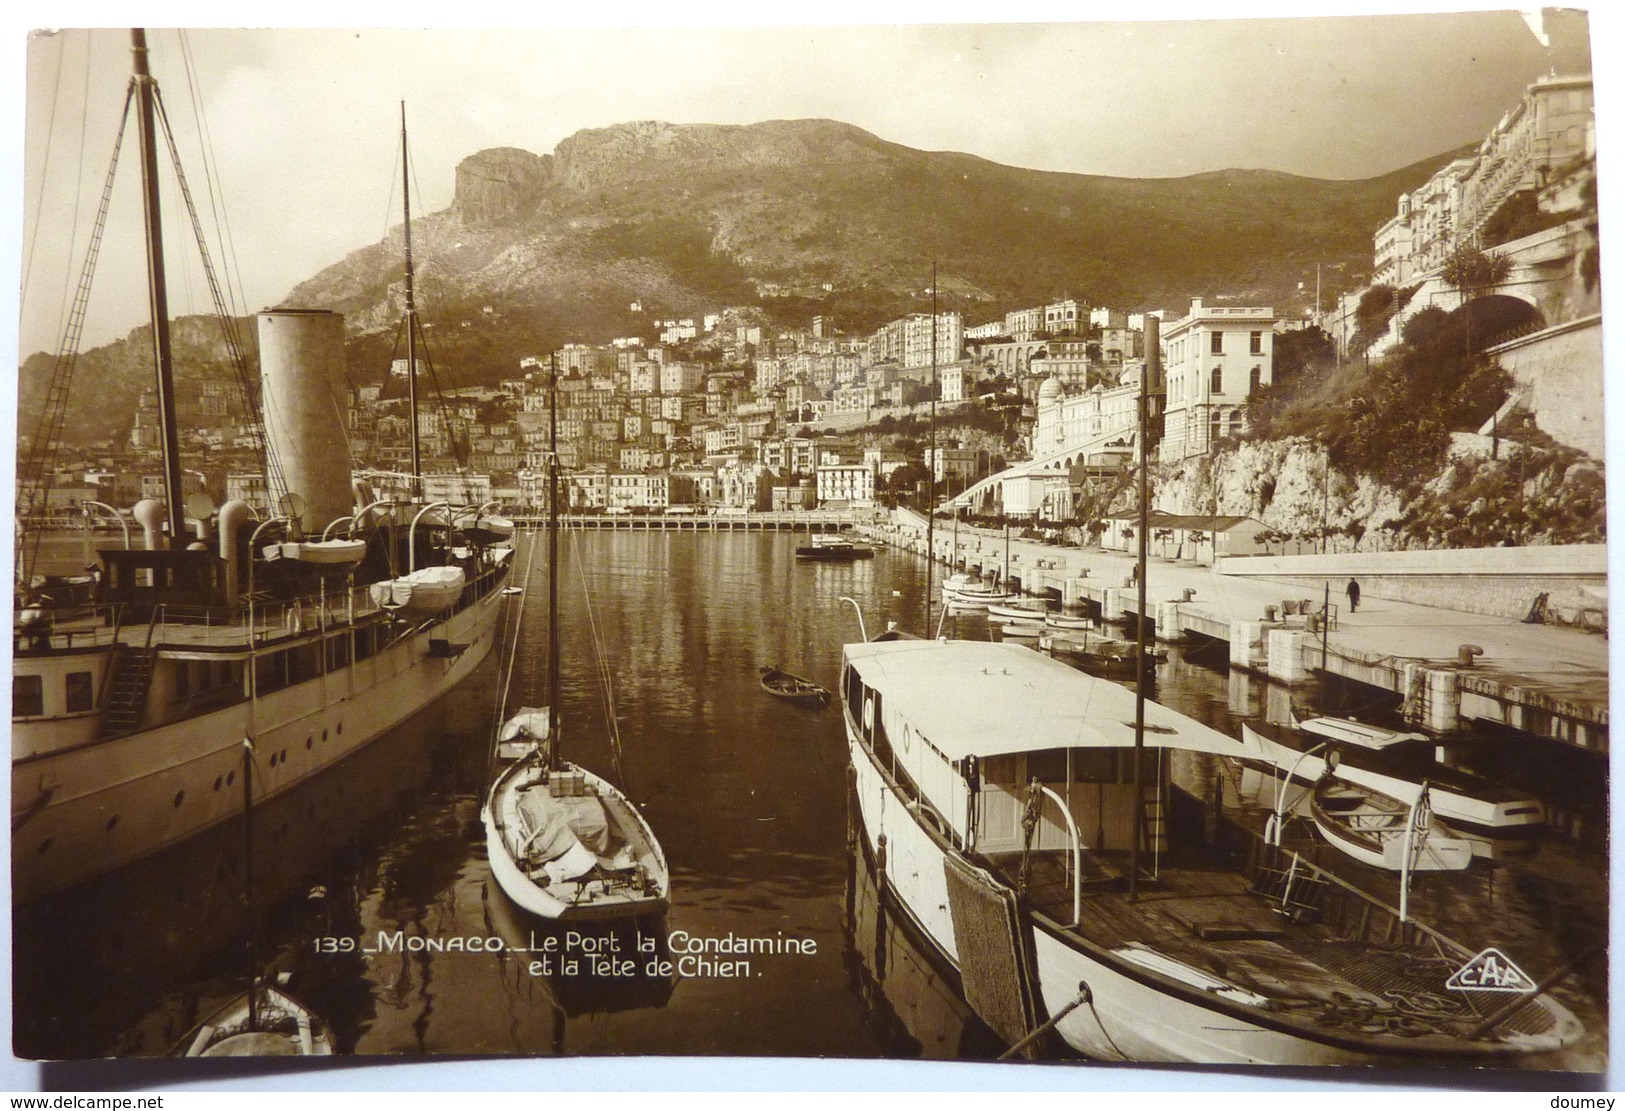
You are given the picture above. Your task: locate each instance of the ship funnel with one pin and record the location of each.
(302, 387)
(232, 516)
(151, 515)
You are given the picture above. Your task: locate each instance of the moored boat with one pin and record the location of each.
(793, 688)
(975, 594)
(824, 547)
(1067, 621)
(1015, 614)
(1099, 654)
(562, 843)
(1383, 831)
(274, 1024)
(129, 713)
(1015, 810)
(1498, 820)
(566, 844)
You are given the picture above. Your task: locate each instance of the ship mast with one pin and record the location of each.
(411, 317)
(931, 499)
(553, 690)
(1152, 366)
(146, 91)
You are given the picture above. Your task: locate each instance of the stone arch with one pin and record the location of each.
(1501, 316)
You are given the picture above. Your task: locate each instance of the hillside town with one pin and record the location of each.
(721, 412)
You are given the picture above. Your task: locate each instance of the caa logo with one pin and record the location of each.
(1491, 970)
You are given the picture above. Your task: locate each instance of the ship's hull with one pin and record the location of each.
(89, 810)
(1128, 1015)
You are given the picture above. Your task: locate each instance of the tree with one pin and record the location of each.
(1470, 271)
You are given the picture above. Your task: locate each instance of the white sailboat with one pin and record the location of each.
(564, 843)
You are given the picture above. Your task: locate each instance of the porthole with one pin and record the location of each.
(309, 743)
(45, 845)
(231, 777)
(284, 755)
(217, 782)
(324, 736)
(339, 729)
(180, 797)
(111, 823)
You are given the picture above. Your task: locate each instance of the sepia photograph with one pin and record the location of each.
(1075, 546)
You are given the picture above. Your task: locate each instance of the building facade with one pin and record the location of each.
(1213, 358)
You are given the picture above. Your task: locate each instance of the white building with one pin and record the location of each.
(852, 483)
(1214, 358)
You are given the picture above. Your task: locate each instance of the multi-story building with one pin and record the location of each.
(849, 483)
(679, 377)
(643, 377)
(1214, 358)
(1543, 135)
(1022, 323)
(918, 333)
(1064, 316)
(958, 462)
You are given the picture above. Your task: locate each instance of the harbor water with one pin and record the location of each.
(372, 892)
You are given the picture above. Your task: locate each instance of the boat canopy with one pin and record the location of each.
(1344, 731)
(974, 698)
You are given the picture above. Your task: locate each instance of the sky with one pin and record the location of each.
(304, 124)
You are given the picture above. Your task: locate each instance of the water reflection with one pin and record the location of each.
(746, 793)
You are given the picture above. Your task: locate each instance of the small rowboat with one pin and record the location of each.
(282, 1027)
(1067, 621)
(325, 551)
(1022, 615)
(1382, 831)
(793, 688)
(425, 590)
(489, 528)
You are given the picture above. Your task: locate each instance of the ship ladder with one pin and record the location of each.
(127, 693)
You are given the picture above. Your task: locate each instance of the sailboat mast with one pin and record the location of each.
(146, 90)
(411, 315)
(553, 561)
(931, 502)
(1152, 361)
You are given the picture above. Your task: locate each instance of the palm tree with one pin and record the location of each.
(1470, 271)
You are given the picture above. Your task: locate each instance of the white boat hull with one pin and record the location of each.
(1127, 1018)
(1493, 835)
(541, 901)
(109, 803)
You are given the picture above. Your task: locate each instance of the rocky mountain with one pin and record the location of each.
(807, 216)
(797, 217)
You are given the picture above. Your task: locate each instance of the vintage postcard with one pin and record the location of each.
(1048, 543)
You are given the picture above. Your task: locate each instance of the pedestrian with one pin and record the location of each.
(1354, 595)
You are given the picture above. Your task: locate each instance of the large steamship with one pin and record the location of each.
(235, 646)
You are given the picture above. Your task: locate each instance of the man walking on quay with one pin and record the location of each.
(1354, 595)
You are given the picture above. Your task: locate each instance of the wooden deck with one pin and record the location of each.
(1320, 955)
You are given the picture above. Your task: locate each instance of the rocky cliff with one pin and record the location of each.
(1529, 495)
(503, 185)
